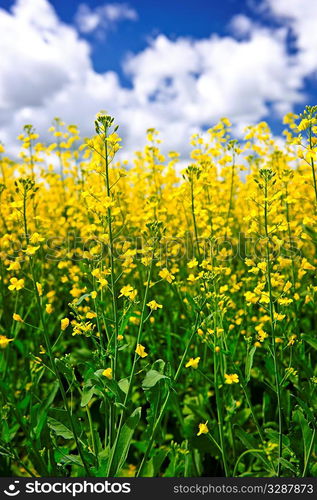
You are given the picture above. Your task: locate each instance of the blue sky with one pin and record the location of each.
(174, 18)
(195, 19)
(175, 65)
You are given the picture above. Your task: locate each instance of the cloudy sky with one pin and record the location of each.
(175, 65)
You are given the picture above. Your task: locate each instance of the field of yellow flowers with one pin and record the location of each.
(159, 320)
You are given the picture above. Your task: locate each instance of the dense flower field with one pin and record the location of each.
(159, 320)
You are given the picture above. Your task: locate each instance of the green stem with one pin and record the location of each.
(231, 194)
(193, 213)
(114, 359)
(272, 323)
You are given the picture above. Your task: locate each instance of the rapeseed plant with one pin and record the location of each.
(158, 321)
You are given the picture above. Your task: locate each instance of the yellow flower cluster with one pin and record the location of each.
(227, 245)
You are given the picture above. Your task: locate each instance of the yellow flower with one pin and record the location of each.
(103, 282)
(93, 294)
(191, 278)
(166, 275)
(64, 323)
(278, 317)
(96, 273)
(91, 315)
(140, 350)
(287, 286)
(262, 266)
(82, 328)
(128, 291)
(107, 373)
(17, 318)
(39, 289)
(16, 284)
(36, 238)
(154, 305)
(51, 295)
(192, 263)
(4, 341)
(14, 266)
(306, 265)
(291, 340)
(265, 298)
(303, 124)
(120, 337)
(30, 250)
(193, 363)
(251, 297)
(262, 335)
(49, 309)
(231, 378)
(203, 429)
(284, 301)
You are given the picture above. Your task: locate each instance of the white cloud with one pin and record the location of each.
(40, 57)
(301, 17)
(178, 86)
(104, 17)
(241, 25)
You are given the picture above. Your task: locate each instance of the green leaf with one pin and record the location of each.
(124, 442)
(71, 460)
(288, 465)
(64, 367)
(112, 385)
(124, 385)
(153, 466)
(155, 388)
(38, 412)
(86, 396)
(249, 363)
(241, 417)
(310, 340)
(59, 428)
(307, 432)
(306, 409)
(83, 297)
(63, 457)
(151, 379)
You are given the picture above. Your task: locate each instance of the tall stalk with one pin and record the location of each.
(231, 144)
(267, 176)
(111, 252)
(103, 124)
(192, 172)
